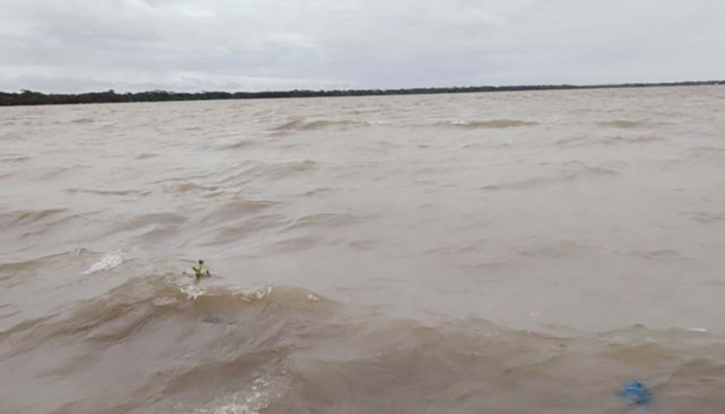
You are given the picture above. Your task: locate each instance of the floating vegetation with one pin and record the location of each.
(200, 272)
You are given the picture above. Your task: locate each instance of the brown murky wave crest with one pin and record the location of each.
(497, 253)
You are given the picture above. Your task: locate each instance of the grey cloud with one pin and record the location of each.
(74, 45)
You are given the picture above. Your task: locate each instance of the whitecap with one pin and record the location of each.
(252, 401)
(192, 291)
(253, 294)
(108, 262)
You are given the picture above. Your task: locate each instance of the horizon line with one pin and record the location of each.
(322, 90)
(30, 97)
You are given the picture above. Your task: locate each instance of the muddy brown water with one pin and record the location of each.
(476, 253)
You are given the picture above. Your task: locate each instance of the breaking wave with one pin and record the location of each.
(181, 347)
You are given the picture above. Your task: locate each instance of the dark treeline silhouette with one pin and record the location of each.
(27, 97)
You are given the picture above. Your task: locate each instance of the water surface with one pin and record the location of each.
(498, 253)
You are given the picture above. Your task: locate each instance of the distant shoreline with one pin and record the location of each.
(27, 97)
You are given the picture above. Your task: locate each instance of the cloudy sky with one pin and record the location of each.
(236, 45)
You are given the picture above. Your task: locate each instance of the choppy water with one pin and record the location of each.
(484, 253)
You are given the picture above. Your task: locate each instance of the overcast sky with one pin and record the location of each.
(194, 45)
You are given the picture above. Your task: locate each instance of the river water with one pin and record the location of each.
(522, 252)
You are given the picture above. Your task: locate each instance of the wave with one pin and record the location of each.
(621, 123)
(11, 269)
(301, 124)
(272, 171)
(584, 171)
(716, 154)
(290, 232)
(188, 186)
(243, 143)
(617, 140)
(108, 262)
(164, 345)
(123, 310)
(488, 124)
(83, 120)
(326, 220)
(668, 255)
(236, 220)
(15, 267)
(107, 192)
(238, 208)
(58, 172)
(146, 156)
(26, 217)
(705, 217)
(15, 159)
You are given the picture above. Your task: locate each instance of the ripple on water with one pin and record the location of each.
(302, 124)
(579, 173)
(706, 217)
(608, 141)
(26, 217)
(621, 123)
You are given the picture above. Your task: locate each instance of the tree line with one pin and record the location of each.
(27, 97)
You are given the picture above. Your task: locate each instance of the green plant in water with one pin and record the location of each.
(199, 271)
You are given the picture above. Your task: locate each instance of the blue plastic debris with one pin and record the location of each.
(637, 393)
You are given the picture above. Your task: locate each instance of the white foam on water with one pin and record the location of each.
(252, 294)
(251, 401)
(193, 291)
(160, 302)
(108, 262)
